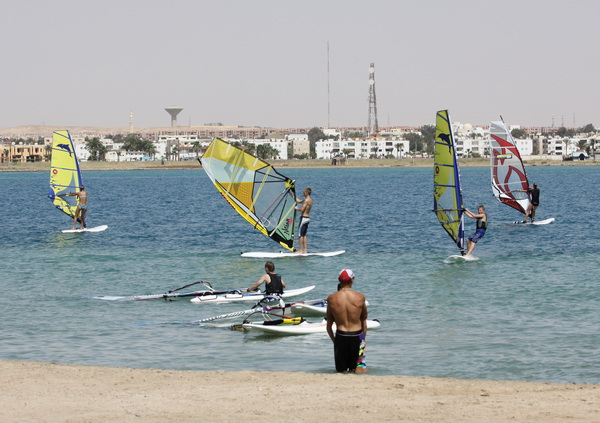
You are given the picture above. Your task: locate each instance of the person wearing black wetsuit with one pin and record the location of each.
(273, 282)
(535, 202)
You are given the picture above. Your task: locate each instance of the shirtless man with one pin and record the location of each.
(81, 207)
(348, 310)
(304, 219)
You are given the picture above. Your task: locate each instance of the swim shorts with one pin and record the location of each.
(479, 233)
(345, 350)
(303, 225)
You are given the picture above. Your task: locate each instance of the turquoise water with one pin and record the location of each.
(527, 310)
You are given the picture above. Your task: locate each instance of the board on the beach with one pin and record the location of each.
(456, 258)
(538, 222)
(264, 255)
(247, 296)
(94, 229)
(304, 328)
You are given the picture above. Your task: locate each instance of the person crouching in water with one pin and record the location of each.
(273, 282)
(480, 228)
(348, 310)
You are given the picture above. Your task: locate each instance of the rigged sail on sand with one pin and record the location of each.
(65, 176)
(509, 179)
(447, 193)
(262, 196)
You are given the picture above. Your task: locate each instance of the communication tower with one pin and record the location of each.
(372, 126)
(173, 111)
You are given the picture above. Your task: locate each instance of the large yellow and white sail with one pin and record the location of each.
(65, 176)
(262, 196)
(447, 193)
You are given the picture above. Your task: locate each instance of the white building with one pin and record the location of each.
(281, 145)
(360, 149)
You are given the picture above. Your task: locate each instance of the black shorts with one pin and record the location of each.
(345, 350)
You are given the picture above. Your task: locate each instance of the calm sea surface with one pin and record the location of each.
(528, 310)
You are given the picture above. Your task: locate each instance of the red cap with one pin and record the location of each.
(346, 275)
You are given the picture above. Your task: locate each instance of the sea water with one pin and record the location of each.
(527, 310)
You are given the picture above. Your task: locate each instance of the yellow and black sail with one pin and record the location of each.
(262, 196)
(447, 193)
(65, 176)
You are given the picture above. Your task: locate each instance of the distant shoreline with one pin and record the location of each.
(280, 164)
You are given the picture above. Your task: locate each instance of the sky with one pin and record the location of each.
(266, 62)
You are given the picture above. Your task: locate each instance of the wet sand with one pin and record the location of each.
(50, 392)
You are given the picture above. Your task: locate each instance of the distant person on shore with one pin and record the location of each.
(81, 209)
(480, 228)
(348, 310)
(304, 210)
(274, 284)
(534, 203)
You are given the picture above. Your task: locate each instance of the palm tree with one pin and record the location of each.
(196, 147)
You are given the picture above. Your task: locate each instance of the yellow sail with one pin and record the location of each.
(65, 176)
(261, 195)
(447, 194)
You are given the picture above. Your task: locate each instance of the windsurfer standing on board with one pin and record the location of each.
(534, 203)
(81, 207)
(307, 204)
(480, 228)
(348, 310)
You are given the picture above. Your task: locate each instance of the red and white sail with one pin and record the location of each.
(509, 179)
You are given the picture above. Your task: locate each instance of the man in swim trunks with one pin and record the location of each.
(273, 282)
(81, 207)
(348, 310)
(304, 220)
(480, 228)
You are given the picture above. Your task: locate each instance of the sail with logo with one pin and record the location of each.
(65, 175)
(264, 197)
(508, 175)
(447, 192)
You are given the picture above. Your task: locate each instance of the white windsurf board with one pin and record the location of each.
(266, 255)
(94, 229)
(455, 258)
(247, 296)
(538, 222)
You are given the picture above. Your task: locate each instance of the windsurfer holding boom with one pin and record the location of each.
(307, 204)
(480, 228)
(534, 203)
(81, 207)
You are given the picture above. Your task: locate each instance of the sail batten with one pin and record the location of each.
(65, 175)
(508, 175)
(447, 193)
(264, 197)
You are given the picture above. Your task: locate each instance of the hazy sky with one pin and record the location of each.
(263, 62)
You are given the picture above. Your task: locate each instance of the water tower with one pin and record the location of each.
(173, 111)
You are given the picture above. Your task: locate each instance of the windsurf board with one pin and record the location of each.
(266, 255)
(94, 229)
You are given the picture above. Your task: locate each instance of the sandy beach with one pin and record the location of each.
(50, 392)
